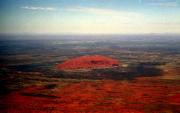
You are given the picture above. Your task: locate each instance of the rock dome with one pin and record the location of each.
(88, 62)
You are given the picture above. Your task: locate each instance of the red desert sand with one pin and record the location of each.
(88, 62)
(142, 96)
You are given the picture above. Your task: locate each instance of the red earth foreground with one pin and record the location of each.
(88, 62)
(106, 96)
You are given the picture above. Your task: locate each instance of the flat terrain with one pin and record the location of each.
(147, 81)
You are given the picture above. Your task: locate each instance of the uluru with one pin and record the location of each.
(88, 62)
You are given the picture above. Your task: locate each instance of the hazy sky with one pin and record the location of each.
(89, 16)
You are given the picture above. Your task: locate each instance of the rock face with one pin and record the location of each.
(88, 62)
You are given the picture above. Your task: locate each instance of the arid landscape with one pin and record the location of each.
(90, 74)
(89, 56)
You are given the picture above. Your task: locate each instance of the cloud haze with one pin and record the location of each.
(39, 8)
(108, 15)
(163, 3)
(102, 11)
(90, 16)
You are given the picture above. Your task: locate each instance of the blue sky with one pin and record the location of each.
(89, 16)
